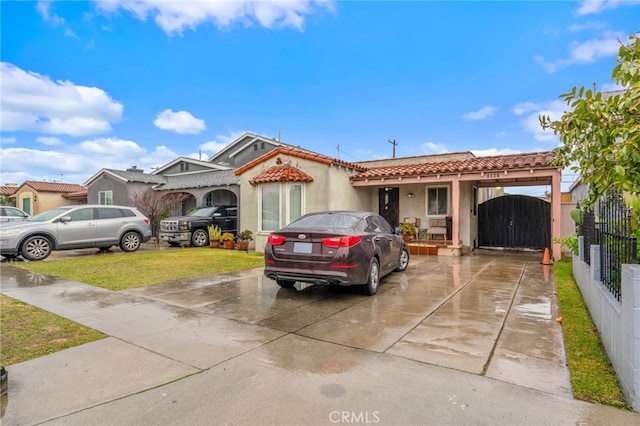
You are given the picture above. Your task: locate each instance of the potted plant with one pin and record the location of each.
(243, 239)
(214, 235)
(408, 230)
(228, 240)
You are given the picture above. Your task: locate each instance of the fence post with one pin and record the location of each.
(596, 273)
(581, 247)
(631, 317)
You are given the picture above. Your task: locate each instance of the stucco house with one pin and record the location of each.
(36, 197)
(288, 182)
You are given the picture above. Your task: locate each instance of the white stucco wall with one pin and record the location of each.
(330, 190)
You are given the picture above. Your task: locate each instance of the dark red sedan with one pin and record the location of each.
(335, 247)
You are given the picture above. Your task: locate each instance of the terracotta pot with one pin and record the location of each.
(242, 245)
(407, 238)
(229, 245)
(214, 243)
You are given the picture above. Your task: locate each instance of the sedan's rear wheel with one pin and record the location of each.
(371, 287)
(199, 238)
(36, 248)
(285, 283)
(404, 260)
(130, 241)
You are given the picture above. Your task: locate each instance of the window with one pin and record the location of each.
(82, 214)
(105, 198)
(294, 204)
(438, 201)
(270, 207)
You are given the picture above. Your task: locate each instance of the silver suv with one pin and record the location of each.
(75, 227)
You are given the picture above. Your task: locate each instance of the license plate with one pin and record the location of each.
(302, 247)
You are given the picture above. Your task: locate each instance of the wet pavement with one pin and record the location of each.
(453, 340)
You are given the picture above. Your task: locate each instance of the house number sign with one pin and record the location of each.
(492, 175)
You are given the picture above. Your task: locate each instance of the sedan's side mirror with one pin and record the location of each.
(65, 219)
(398, 230)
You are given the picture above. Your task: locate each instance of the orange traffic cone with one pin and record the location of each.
(545, 259)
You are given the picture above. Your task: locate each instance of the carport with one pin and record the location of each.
(409, 185)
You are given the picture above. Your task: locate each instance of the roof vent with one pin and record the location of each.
(135, 169)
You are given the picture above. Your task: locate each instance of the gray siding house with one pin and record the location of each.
(205, 183)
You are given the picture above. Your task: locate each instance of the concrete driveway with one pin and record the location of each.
(466, 340)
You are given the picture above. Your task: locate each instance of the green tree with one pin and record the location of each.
(601, 134)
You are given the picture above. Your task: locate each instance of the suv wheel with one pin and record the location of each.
(130, 241)
(36, 248)
(199, 238)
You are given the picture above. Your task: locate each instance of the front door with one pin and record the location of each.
(389, 205)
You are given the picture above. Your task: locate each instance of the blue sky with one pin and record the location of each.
(87, 85)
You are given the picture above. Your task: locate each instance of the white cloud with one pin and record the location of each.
(531, 122)
(180, 122)
(49, 141)
(524, 107)
(77, 163)
(584, 52)
(610, 87)
(44, 9)
(589, 7)
(211, 148)
(175, 17)
(589, 25)
(32, 102)
(481, 114)
(433, 148)
(111, 148)
(7, 140)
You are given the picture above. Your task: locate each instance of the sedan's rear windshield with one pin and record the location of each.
(325, 221)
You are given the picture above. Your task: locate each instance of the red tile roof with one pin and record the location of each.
(54, 186)
(7, 190)
(300, 153)
(477, 164)
(281, 173)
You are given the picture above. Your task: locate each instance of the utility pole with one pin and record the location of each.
(394, 143)
(338, 148)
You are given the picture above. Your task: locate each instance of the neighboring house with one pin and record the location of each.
(205, 183)
(36, 197)
(288, 182)
(8, 191)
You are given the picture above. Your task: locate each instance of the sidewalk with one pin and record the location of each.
(469, 340)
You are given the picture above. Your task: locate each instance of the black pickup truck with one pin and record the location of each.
(192, 228)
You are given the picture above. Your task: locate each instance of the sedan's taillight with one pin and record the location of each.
(275, 240)
(335, 242)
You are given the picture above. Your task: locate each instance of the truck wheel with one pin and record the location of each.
(199, 238)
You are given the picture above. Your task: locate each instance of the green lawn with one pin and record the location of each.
(592, 376)
(121, 271)
(29, 332)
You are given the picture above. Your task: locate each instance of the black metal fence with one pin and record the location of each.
(611, 229)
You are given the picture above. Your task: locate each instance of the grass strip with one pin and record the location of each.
(122, 271)
(593, 378)
(29, 332)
